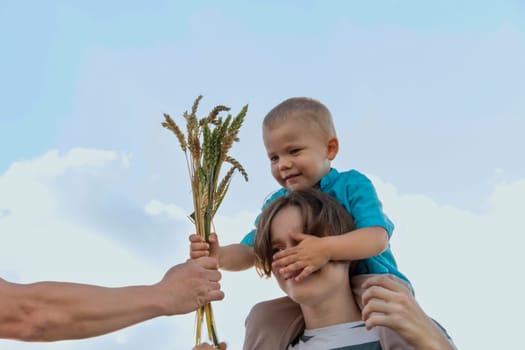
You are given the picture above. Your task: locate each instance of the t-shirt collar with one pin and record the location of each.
(328, 179)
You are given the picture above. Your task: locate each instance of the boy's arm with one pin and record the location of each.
(233, 257)
(236, 257)
(356, 245)
(312, 252)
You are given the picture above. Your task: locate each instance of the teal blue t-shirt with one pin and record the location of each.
(357, 194)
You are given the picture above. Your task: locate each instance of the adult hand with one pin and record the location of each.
(389, 302)
(206, 346)
(309, 255)
(199, 247)
(188, 286)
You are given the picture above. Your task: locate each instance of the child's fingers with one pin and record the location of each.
(195, 238)
(199, 246)
(213, 237)
(292, 268)
(199, 249)
(199, 254)
(284, 261)
(284, 253)
(307, 271)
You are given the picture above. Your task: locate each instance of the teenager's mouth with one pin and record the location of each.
(297, 273)
(292, 276)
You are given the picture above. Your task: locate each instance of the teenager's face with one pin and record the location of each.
(317, 287)
(299, 153)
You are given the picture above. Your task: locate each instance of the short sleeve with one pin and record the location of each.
(366, 208)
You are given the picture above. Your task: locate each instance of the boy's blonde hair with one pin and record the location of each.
(322, 216)
(304, 108)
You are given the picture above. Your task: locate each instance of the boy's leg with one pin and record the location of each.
(273, 324)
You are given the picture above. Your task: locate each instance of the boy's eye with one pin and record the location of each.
(274, 159)
(295, 151)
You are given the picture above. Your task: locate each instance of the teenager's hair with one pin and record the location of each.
(305, 108)
(322, 216)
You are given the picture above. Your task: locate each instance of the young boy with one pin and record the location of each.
(300, 140)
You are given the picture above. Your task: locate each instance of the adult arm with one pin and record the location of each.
(388, 302)
(49, 311)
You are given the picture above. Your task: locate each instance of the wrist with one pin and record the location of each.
(160, 302)
(327, 246)
(434, 339)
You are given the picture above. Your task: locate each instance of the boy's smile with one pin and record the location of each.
(291, 180)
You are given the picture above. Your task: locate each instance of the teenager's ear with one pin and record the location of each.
(333, 148)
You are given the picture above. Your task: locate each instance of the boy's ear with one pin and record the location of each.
(333, 148)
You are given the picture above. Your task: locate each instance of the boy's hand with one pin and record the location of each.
(199, 248)
(309, 255)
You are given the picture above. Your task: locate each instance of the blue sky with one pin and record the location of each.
(427, 100)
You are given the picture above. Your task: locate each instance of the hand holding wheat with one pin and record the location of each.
(206, 146)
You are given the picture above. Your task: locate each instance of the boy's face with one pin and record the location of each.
(321, 285)
(299, 153)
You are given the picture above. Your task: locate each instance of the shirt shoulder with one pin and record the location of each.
(347, 185)
(270, 198)
(353, 176)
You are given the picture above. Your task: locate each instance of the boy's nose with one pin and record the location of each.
(285, 164)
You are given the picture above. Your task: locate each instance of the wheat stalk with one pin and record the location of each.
(206, 145)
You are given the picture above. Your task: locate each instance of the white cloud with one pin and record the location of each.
(40, 242)
(155, 207)
(25, 185)
(463, 264)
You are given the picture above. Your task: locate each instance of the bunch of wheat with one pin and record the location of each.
(206, 148)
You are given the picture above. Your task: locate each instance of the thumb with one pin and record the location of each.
(214, 245)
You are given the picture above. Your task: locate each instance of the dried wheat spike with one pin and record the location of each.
(171, 125)
(196, 105)
(221, 189)
(237, 166)
(195, 149)
(212, 117)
